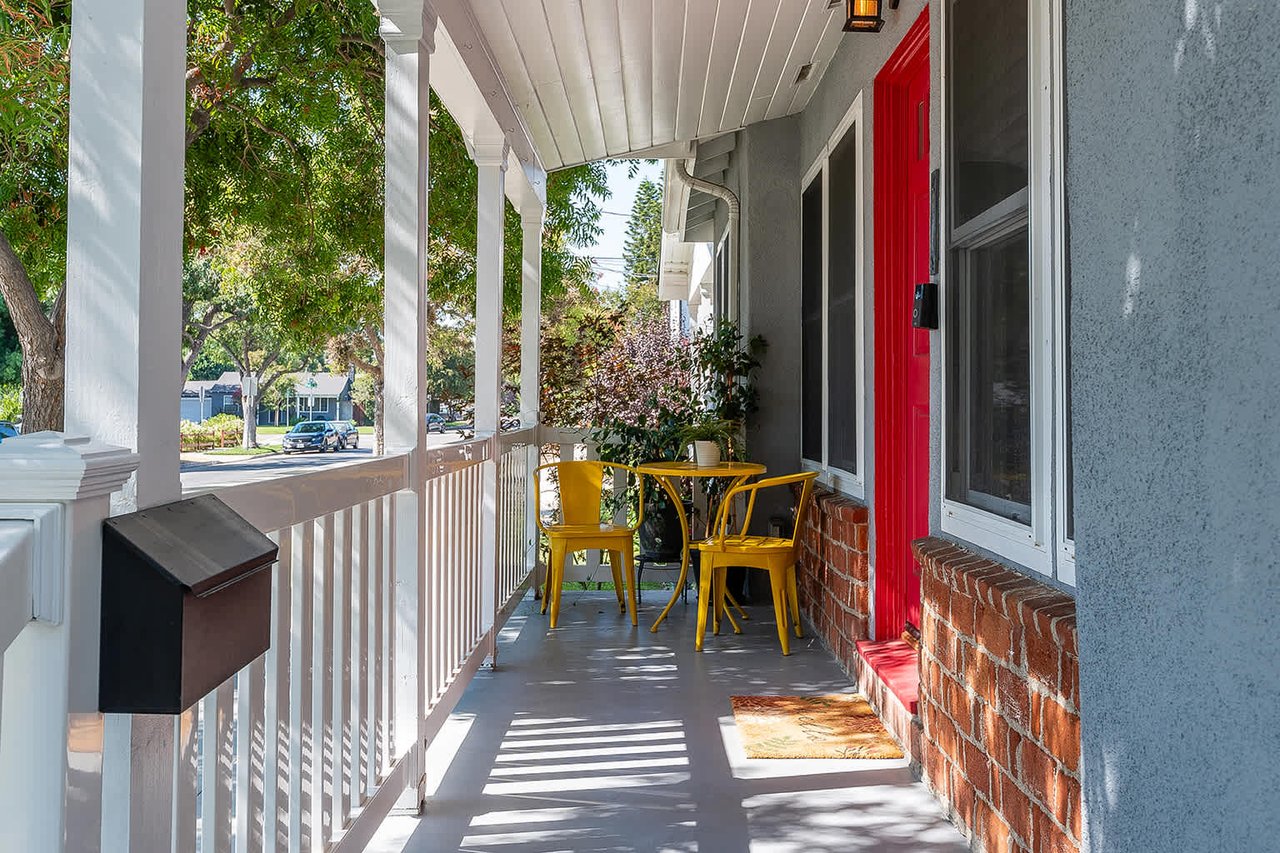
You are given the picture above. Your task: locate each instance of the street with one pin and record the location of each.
(201, 475)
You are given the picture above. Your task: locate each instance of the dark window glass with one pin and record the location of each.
(842, 307)
(991, 356)
(988, 104)
(811, 322)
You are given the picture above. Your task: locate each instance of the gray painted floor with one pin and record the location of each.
(598, 736)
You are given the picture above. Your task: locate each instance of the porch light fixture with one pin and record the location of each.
(864, 16)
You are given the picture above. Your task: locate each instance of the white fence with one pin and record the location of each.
(385, 600)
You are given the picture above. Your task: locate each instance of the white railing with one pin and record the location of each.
(17, 564)
(386, 599)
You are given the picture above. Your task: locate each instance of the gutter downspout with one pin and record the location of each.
(731, 229)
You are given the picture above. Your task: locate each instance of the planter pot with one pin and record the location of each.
(661, 540)
(706, 453)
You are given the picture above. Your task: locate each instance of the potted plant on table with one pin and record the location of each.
(711, 438)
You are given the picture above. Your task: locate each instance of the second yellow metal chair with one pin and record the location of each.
(775, 554)
(582, 528)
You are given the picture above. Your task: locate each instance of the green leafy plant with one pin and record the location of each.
(707, 427)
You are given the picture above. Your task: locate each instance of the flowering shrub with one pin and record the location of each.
(217, 431)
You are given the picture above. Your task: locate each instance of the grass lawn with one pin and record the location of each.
(240, 451)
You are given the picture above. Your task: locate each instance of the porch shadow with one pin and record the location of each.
(601, 737)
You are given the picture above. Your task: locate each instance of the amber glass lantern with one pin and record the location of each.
(862, 16)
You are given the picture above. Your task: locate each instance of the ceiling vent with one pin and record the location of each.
(804, 72)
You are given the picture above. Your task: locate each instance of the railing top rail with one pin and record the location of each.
(276, 504)
(446, 458)
(17, 553)
(514, 438)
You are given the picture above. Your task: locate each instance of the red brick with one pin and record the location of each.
(964, 802)
(992, 829)
(1060, 733)
(1037, 772)
(1066, 798)
(995, 633)
(860, 537)
(963, 616)
(977, 768)
(1050, 608)
(980, 673)
(858, 566)
(1012, 698)
(1050, 838)
(1064, 631)
(994, 733)
(1015, 807)
(1069, 667)
(1042, 660)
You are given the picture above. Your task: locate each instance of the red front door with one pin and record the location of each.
(901, 352)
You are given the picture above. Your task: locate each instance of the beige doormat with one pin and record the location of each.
(840, 725)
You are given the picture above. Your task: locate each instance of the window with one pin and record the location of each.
(832, 383)
(811, 321)
(1007, 477)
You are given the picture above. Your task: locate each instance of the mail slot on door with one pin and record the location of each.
(186, 603)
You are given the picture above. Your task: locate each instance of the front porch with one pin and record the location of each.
(600, 736)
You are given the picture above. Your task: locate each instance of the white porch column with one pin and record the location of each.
(408, 92)
(124, 235)
(491, 162)
(531, 317)
(124, 295)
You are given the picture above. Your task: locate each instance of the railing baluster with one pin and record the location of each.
(216, 714)
(301, 737)
(322, 688)
(185, 780)
(342, 729)
(387, 627)
(275, 759)
(360, 654)
(250, 740)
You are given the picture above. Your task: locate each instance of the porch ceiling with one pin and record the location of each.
(618, 78)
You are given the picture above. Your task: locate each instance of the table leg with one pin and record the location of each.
(684, 553)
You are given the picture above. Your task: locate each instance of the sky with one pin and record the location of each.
(608, 248)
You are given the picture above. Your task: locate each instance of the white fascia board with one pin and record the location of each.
(673, 269)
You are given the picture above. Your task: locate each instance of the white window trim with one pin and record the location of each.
(1041, 545)
(846, 482)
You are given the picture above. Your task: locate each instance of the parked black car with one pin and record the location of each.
(348, 435)
(311, 435)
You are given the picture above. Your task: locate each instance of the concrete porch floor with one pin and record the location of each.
(602, 737)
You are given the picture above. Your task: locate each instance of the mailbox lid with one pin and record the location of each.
(199, 544)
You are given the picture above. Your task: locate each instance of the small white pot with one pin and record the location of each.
(706, 453)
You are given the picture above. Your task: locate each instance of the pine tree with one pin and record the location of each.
(643, 249)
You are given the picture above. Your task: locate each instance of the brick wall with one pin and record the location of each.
(833, 578)
(999, 701)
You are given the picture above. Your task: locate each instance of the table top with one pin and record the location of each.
(686, 468)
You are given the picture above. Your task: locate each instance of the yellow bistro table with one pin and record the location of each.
(667, 473)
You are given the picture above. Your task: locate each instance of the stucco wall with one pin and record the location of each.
(766, 172)
(1173, 188)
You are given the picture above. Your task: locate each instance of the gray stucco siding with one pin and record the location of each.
(1173, 191)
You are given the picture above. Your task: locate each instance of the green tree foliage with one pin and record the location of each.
(642, 251)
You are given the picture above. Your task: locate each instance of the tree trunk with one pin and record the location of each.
(42, 402)
(249, 406)
(41, 340)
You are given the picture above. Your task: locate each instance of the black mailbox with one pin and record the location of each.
(186, 603)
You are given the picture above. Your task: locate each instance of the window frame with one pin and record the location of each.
(1040, 546)
(849, 483)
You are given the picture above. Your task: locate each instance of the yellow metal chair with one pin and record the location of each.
(775, 554)
(581, 528)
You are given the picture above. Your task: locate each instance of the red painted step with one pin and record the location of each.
(897, 665)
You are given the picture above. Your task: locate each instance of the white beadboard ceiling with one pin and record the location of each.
(611, 78)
